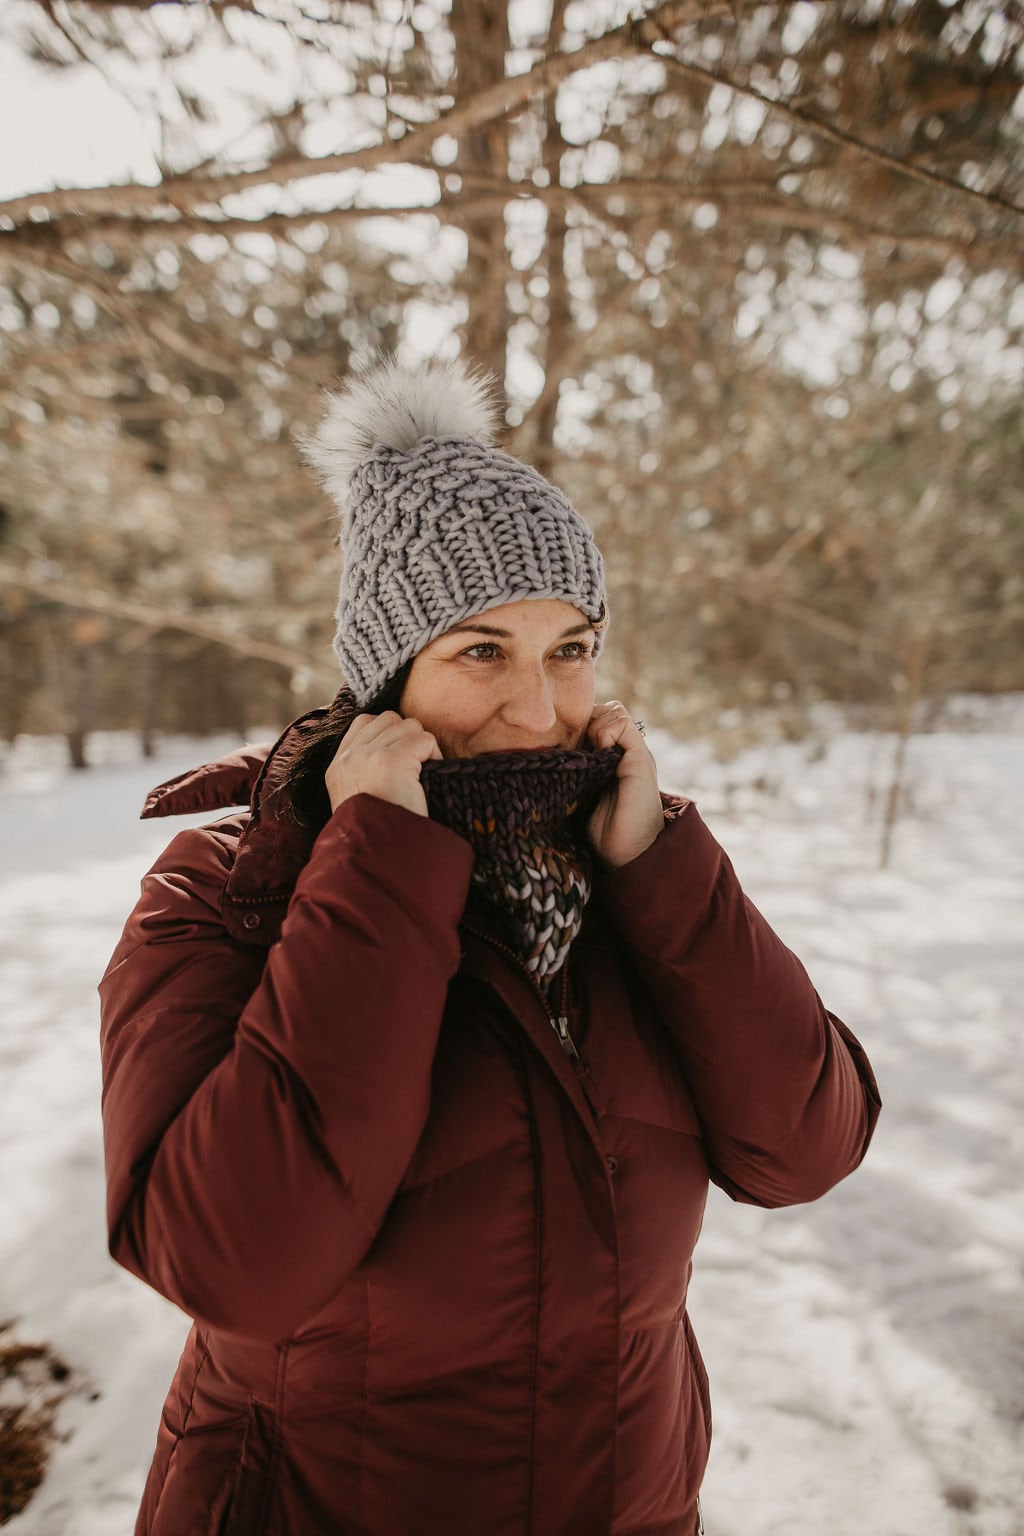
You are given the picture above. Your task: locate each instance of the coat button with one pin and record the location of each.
(612, 1164)
(251, 920)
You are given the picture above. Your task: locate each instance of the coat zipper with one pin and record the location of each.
(558, 1021)
(561, 1022)
(562, 1031)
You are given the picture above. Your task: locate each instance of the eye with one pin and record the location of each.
(574, 650)
(485, 650)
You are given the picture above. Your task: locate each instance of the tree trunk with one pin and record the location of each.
(80, 704)
(917, 664)
(480, 29)
(149, 710)
(559, 326)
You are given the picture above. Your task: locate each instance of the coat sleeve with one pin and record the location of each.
(784, 1093)
(258, 1119)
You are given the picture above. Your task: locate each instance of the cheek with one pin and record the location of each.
(577, 696)
(433, 692)
(451, 703)
(468, 708)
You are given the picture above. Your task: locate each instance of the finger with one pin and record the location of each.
(375, 728)
(611, 708)
(407, 734)
(611, 724)
(368, 727)
(426, 745)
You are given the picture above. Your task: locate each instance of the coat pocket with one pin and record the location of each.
(242, 1507)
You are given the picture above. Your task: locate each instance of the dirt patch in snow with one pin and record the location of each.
(33, 1381)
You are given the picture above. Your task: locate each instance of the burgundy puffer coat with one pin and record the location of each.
(439, 1268)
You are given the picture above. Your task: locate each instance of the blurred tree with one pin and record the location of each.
(751, 275)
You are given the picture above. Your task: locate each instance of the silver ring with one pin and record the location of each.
(641, 726)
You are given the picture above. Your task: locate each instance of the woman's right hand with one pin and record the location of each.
(382, 755)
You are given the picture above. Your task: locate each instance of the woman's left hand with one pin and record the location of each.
(630, 816)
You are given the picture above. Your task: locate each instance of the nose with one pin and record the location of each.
(530, 705)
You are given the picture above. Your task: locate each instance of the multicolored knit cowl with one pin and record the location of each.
(524, 813)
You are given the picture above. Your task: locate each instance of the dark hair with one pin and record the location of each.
(298, 777)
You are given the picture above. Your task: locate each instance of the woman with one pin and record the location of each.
(415, 1073)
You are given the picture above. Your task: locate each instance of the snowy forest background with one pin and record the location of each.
(752, 276)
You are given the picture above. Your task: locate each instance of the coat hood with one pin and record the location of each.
(271, 847)
(216, 786)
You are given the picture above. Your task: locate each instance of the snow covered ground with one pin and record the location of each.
(866, 1353)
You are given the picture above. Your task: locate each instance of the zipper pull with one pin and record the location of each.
(562, 1031)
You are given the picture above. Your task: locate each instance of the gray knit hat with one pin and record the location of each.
(436, 524)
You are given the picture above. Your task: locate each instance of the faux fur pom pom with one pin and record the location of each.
(388, 405)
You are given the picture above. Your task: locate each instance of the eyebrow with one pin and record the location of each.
(506, 634)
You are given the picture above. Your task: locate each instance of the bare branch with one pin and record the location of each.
(755, 200)
(150, 333)
(567, 364)
(248, 6)
(72, 595)
(789, 214)
(839, 136)
(188, 191)
(105, 295)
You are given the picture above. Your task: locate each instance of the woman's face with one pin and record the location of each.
(515, 677)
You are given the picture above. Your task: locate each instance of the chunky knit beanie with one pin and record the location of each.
(437, 525)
